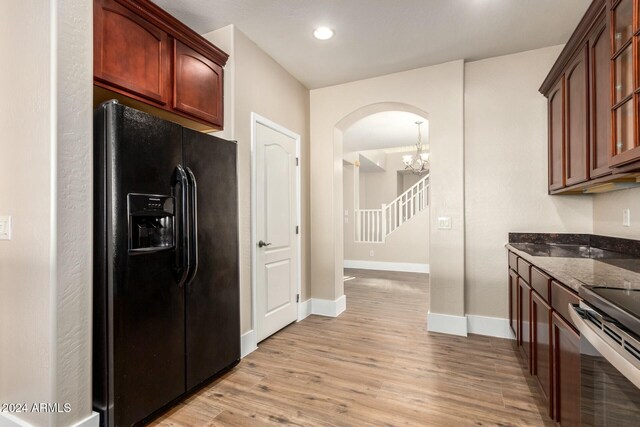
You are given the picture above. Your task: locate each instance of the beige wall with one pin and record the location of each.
(607, 213)
(259, 84)
(45, 184)
(25, 262)
(506, 171)
(434, 92)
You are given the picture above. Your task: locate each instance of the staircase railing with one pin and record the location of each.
(374, 225)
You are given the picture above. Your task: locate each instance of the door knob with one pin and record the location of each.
(262, 244)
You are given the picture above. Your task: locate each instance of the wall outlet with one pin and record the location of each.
(371, 252)
(5, 227)
(444, 222)
(626, 217)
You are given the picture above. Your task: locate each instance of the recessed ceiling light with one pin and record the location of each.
(323, 33)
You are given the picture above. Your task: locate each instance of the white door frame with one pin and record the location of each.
(255, 120)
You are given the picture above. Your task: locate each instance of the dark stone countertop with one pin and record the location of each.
(579, 259)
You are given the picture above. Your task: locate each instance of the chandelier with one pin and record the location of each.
(417, 164)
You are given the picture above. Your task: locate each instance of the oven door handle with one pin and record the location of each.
(616, 356)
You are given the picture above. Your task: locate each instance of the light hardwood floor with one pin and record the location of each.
(373, 365)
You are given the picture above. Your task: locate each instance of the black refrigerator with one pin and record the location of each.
(166, 288)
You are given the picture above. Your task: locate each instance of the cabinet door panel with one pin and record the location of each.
(197, 84)
(566, 362)
(600, 101)
(541, 347)
(577, 120)
(513, 304)
(556, 137)
(524, 325)
(130, 54)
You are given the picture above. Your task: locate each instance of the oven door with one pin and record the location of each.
(610, 370)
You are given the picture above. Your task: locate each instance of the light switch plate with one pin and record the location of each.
(444, 222)
(626, 217)
(5, 227)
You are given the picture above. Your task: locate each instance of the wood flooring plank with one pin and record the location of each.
(374, 365)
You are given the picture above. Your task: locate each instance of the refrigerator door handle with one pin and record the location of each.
(193, 208)
(183, 261)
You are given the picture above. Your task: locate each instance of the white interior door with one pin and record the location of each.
(276, 242)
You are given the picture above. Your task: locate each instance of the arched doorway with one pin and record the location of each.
(435, 92)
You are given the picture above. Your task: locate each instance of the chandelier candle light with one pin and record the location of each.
(419, 163)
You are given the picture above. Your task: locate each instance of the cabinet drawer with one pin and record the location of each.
(513, 261)
(541, 283)
(561, 297)
(524, 270)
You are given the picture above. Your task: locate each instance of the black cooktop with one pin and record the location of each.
(622, 305)
(627, 299)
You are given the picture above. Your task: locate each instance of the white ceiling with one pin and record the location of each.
(385, 130)
(377, 37)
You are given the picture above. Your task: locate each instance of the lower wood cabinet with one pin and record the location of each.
(566, 378)
(513, 304)
(524, 320)
(548, 342)
(542, 354)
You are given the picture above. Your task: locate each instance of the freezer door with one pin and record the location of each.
(139, 306)
(212, 298)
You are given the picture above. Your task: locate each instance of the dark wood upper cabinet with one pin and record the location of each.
(149, 60)
(130, 54)
(625, 56)
(197, 84)
(556, 137)
(577, 119)
(600, 96)
(598, 75)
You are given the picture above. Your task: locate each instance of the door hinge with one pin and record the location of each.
(298, 298)
(297, 229)
(297, 161)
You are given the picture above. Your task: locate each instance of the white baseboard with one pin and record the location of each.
(491, 326)
(248, 343)
(304, 309)
(8, 420)
(325, 307)
(447, 324)
(387, 266)
(469, 324)
(92, 420)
